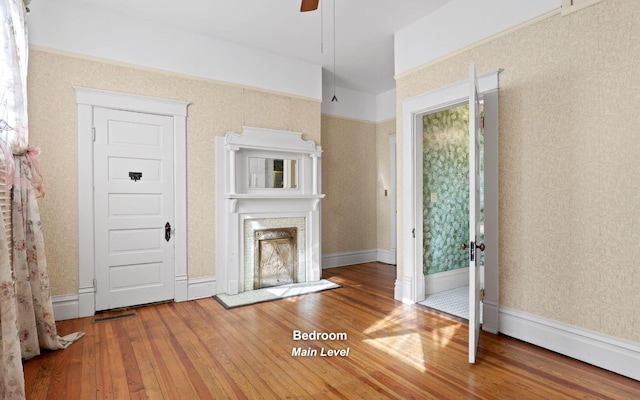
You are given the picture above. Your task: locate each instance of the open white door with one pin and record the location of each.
(474, 214)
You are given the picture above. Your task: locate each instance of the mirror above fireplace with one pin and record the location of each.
(272, 173)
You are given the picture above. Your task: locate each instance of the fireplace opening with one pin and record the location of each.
(275, 257)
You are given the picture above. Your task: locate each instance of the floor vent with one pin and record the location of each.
(112, 317)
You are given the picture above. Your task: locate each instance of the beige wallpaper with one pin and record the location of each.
(383, 130)
(569, 186)
(215, 109)
(349, 181)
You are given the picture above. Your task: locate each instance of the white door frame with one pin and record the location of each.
(392, 186)
(411, 287)
(87, 99)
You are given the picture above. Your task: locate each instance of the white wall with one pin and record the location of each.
(459, 24)
(359, 105)
(386, 105)
(83, 29)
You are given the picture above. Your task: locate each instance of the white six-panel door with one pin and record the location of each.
(133, 208)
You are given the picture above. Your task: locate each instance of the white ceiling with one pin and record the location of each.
(364, 30)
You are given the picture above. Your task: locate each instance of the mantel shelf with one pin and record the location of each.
(275, 196)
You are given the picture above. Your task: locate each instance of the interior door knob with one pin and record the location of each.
(167, 231)
(464, 246)
(480, 246)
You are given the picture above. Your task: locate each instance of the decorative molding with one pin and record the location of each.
(446, 280)
(237, 200)
(349, 258)
(130, 102)
(397, 290)
(270, 140)
(202, 287)
(407, 294)
(571, 6)
(86, 301)
(87, 99)
(181, 288)
(66, 307)
(386, 256)
(604, 351)
(490, 316)
(412, 110)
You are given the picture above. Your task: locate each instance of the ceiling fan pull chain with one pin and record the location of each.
(334, 53)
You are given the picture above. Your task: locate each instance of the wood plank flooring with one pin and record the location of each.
(199, 350)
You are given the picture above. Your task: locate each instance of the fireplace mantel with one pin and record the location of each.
(245, 192)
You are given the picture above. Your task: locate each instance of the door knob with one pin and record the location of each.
(167, 231)
(464, 246)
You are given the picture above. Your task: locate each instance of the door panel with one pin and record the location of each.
(133, 178)
(474, 214)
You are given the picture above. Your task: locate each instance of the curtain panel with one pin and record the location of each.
(27, 322)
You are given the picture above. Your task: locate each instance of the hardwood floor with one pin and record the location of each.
(199, 350)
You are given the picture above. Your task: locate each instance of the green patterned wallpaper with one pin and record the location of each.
(446, 189)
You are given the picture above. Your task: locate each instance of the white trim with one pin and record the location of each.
(65, 307)
(490, 315)
(349, 258)
(68, 306)
(446, 280)
(412, 110)
(569, 7)
(87, 99)
(604, 351)
(386, 256)
(237, 200)
(475, 27)
(393, 171)
(202, 287)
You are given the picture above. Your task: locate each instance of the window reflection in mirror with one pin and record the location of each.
(270, 173)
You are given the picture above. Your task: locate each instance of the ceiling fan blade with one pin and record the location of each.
(309, 5)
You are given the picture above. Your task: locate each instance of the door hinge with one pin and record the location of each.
(413, 232)
(482, 294)
(481, 123)
(93, 133)
(95, 283)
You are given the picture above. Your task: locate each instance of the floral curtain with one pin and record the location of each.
(36, 324)
(11, 375)
(26, 311)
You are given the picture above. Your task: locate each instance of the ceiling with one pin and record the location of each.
(363, 30)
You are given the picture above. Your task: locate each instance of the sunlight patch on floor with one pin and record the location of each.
(441, 337)
(406, 348)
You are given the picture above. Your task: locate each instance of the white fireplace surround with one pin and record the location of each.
(238, 200)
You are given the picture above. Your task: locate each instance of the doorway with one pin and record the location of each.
(445, 176)
(412, 282)
(172, 113)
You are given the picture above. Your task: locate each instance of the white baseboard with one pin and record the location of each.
(65, 307)
(358, 257)
(386, 256)
(349, 258)
(68, 306)
(490, 316)
(446, 280)
(199, 288)
(604, 351)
